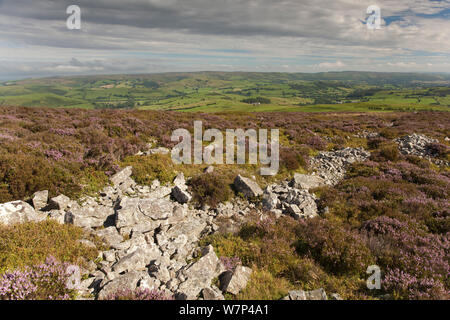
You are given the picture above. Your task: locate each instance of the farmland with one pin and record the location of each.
(235, 92)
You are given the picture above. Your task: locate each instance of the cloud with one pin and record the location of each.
(234, 34)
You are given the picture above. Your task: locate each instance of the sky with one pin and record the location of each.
(152, 36)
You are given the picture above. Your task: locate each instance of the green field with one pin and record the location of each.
(235, 92)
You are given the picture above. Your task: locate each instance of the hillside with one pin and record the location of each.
(230, 92)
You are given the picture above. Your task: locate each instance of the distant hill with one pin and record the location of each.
(227, 91)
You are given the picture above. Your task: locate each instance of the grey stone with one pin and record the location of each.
(60, 202)
(247, 187)
(128, 281)
(234, 282)
(212, 293)
(198, 275)
(304, 181)
(19, 212)
(181, 195)
(40, 199)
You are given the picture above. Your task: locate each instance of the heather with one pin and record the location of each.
(51, 280)
(31, 243)
(74, 151)
(391, 210)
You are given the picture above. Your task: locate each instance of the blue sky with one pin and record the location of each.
(145, 36)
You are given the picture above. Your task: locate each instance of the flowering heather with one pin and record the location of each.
(47, 281)
(138, 294)
(230, 263)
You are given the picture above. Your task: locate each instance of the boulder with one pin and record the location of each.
(19, 212)
(304, 181)
(198, 275)
(181, 195)
(110, 235)
(135, 261)
(212, 293)
(60, 202)
(128, 281)
(40, 199)
(247, 187)
(234, 282)
(318, 294)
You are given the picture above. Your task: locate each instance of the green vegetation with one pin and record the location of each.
(231, 92)
(32, 243)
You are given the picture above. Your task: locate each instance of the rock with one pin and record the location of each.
(318, 294)
(270, 201)
(209, 169)
(60, 202)
(91, 216)
(159, 150)
(336, 296)
(19, 212)
(247, 187)
(304, 181)
(40, 199)
(180, 181)
(57, 215)
(234, 282)
(198, 275)
(121, 177)
(181, 195)
(135, 261)
(128, 281)
(142, 213)
(212, 293)
(110, 234)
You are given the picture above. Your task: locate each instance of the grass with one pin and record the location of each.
(225, 92)
(31, 243)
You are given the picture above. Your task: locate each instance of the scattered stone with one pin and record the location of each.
(304, 181)
(209, 169)
(181, 195)
(198, 275)
(212, 293)
(60, 202)
(19, 212)
(234, 282)
(318, 294)
(247, 187)
(122, 179)
(40, 199)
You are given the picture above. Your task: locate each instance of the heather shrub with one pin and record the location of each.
(291, 159)
(338, 249)
(31, 243)
(146, 169)
(438, 150)
(210, 189)
(390, 153)
(47, 281)
(415, 262)
(139, 294)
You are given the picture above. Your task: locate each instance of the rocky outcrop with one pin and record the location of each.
(318, 294)
(40, 199)
(419, 145)
(235, 281)
(247, 187)
(284, 199)
(331, 165)
(19, 212)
